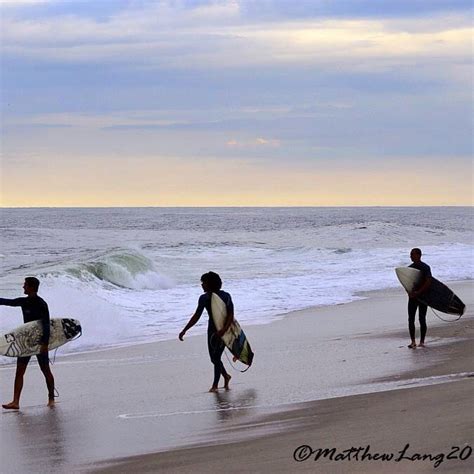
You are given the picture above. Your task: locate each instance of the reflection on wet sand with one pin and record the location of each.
(230, 405)
(35, 441)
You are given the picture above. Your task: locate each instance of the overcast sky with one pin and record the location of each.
(263, 102)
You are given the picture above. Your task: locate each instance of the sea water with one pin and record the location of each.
(133, 274)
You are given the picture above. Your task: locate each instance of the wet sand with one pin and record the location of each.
(311, 383)
(432, 421)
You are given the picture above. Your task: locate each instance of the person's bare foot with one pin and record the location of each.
(412, 346)
(51, 403)
(11, 406)
(227, 380)
(213, 389)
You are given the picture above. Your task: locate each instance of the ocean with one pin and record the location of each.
(133, 274)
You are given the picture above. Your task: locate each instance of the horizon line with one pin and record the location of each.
(237, 206)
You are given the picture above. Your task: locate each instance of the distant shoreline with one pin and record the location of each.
(368, 206)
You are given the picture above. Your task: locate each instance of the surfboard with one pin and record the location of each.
(24, 341)
(437, 295)
(234, 338)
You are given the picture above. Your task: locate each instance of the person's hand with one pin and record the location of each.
(44, 348)
(220, 333)
(181, 335)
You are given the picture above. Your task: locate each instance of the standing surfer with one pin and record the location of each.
(212, 283)
(414, 303)
(34, 308)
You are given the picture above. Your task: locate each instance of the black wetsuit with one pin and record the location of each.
(34, 308)
(214, 343)
(414, 304)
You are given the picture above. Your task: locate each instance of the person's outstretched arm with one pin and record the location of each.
(194, 318)
(14, 302)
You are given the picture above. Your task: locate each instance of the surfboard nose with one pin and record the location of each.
(71, 328)
(78, 326)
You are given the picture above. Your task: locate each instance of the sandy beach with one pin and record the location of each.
(298, 155)
(329, 377)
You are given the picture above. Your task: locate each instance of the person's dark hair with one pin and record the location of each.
(212, 280)
(417, 251)
(32, 282)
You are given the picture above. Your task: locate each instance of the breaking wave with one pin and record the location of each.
(125, 269)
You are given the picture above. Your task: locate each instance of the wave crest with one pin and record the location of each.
(124, 269)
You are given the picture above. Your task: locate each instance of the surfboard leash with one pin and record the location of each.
(56, 350)
(52, 362)
(445, 320)
(227, 355)
(235, 367)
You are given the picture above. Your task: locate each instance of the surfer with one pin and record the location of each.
(212, 283)
(414, 303)
(34, 308)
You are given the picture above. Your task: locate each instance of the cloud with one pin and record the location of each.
(257, 142)
(136, 119)
(257, 82)
(222, 34)
(23, 3)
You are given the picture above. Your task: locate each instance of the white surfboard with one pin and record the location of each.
(24, 341)
(234, 338)
(437, 295)
(408, 277)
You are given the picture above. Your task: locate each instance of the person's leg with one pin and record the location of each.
(21, 365)
(412, 305)
(216, 348)
(212, 343)
(223, 372)
(422, 309)
(43, 361)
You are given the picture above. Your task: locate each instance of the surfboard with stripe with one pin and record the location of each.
(234, 338)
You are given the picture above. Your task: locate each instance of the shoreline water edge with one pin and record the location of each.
(315, 370)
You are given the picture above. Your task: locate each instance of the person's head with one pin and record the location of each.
(211, 282)
(415, 255)
(31, 285)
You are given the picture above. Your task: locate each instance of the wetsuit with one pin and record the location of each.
(215, 344)
(34, 308)
(414, 304)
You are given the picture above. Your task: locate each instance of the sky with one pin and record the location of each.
(236, 103)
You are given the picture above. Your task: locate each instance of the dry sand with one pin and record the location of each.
(331, 377)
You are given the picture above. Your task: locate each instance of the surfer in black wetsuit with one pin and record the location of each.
(34, 308)
(212, 283)
(414, 303)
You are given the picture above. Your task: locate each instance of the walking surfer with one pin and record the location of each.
(414, 303)
(34, 308)
(212, 283)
